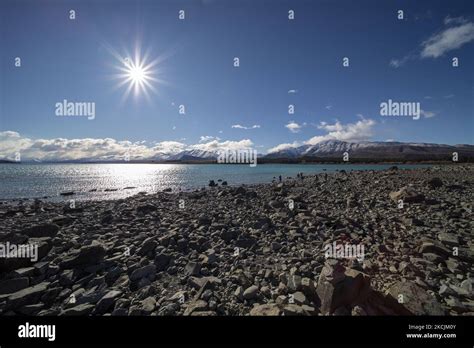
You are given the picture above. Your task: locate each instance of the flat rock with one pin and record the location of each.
(43, 230)
(415, 299)
(269, 309)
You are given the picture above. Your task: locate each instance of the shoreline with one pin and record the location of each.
(62, 197)
(254, 249)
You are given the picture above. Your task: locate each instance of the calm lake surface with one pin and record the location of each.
(89, 181)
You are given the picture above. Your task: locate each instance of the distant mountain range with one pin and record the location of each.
(330, 150)
(334, 149)
(375, 150)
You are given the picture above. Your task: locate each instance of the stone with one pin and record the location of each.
(407, 195)
(294, 310)
(145, 209)
(87, 255)
(269, 309)
(239, 293)
(307, 286)
(299, 298)
(43, 230)
(107, 302)
(192, 269)
(434, 258)
(435, 248)
(195, 306)
(162, 261)
(294, 282)
(148, 305)
(149, 244)
(250, 293)
(79, 310)
(27, 296)
(9, 286)
(142, 272)
(448, 239)
(434, 182)
(415, 299)
(350, 289)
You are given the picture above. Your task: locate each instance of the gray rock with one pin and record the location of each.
(415, 299)
(149, 244)
(107, 302)
(43, 230)
(80, 310)
(9, 286)
(162, 261)
(27, 296)
(250, 293)
(192, 269)
(269, 309)
(87, 255)
(142, 272)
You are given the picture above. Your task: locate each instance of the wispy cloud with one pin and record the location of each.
(455, 20)
(447, 40)
(427, 114)
(459, 33)
(207, 138)
(238, 126)
(292, 91)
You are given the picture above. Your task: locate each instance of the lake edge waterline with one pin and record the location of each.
(119, 180)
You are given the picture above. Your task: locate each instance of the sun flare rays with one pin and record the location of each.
(137, 74)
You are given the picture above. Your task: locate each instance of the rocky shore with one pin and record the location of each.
(251, 250)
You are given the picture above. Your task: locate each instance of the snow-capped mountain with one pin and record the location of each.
(375, 150)
(194, 154)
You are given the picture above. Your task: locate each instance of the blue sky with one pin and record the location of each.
(404, 60)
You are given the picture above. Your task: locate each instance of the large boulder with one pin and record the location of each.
(415, 299)
(338, 287)
(408, 195)
(87, 255)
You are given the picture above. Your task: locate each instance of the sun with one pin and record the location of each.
(137, 74)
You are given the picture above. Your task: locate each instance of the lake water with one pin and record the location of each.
(89, 181)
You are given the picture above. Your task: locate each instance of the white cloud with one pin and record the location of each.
(215, 145)
(328, 107)
(207, 138)
(427, 114)
(447, 40)
(108, 149)
(292, 91)
(359, 131)
(294, 127)
(284, 147)
(243, 127)
(362, 130)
